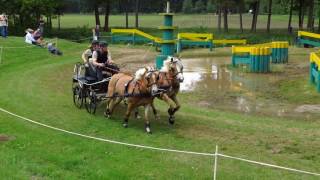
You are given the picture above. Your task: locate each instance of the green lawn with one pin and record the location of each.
(37, 85)
(180, 20)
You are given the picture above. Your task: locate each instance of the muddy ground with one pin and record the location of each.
(210, 82)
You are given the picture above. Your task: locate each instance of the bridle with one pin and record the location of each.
(150, 73)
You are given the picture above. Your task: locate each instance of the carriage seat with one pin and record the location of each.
(91, 73)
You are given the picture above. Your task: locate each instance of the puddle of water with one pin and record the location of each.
(236, 91)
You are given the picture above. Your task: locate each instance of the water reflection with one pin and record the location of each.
(230, 90)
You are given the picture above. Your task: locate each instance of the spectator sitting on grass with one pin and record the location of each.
(53, 50)
(29, 37)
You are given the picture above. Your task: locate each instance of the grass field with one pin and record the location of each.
(203, 23)
(180, 20)
(37, 85)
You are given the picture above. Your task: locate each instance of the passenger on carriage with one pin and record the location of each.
(87, 54)
(101, 59)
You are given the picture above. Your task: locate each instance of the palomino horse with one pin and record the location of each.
(170, 77)
(139, 91)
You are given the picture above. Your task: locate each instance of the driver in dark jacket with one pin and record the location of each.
(101, 59)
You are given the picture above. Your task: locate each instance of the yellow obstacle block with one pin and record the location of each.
(315, 58)
(308, 34)
(229, 41)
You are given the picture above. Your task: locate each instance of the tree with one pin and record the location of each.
(127, 12)
(219, 17)
(106, 17)
(210, 6)
(187, 6)
(301, 13)
(96, 12)
(241, 8)
(290, 17)
(310, 15)
(199, 7)
(319, 15)
(256, 5)
(269, 15)
(137, 4)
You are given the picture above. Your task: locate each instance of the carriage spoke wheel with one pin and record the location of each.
(77, 96)
(91, 102)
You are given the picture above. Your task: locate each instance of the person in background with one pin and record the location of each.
(53, 49)
(3, 25)
(96, 33)
(29, 37)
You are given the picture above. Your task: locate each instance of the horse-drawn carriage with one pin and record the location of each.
(138, 90)
(87, 89)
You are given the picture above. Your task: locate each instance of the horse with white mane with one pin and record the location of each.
(139, 91)
(170, 77)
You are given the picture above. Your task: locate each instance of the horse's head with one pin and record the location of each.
(174, 66)
(152, 77)
(149, 76)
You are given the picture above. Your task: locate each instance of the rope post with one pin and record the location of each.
(215, 163)
(1, 51)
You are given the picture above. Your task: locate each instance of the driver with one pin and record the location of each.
(101, 59)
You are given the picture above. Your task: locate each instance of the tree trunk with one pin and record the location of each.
(290, 17)
(310, 15)
(301, 13)
(319, 17)
(127, 16)
(50, 22)
(137, 13)
(225, 18)
(255, 16)
(219, 19)
(96, 13)
(59, 22)
(257, 13)
(241, 24)
(269, 15)
(106, 17)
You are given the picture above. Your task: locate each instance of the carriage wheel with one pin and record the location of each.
(91, 101)
(77, 96)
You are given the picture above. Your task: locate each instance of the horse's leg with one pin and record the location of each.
(107, 113)
(172, 107)
(172, 112)
(146, 118)
(136, 113)
(127, 115)
(155, 112)
(114, 103)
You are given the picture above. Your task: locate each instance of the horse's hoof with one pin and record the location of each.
(107, 115)
(138, 116)
(157, 118)
(171, 120)
(148, 130)
(125, 125)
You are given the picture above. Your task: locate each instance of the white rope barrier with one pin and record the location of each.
(269, 165)
(105, 140)
(216, 154)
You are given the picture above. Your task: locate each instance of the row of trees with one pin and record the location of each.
(302, 7)
(27, 12)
